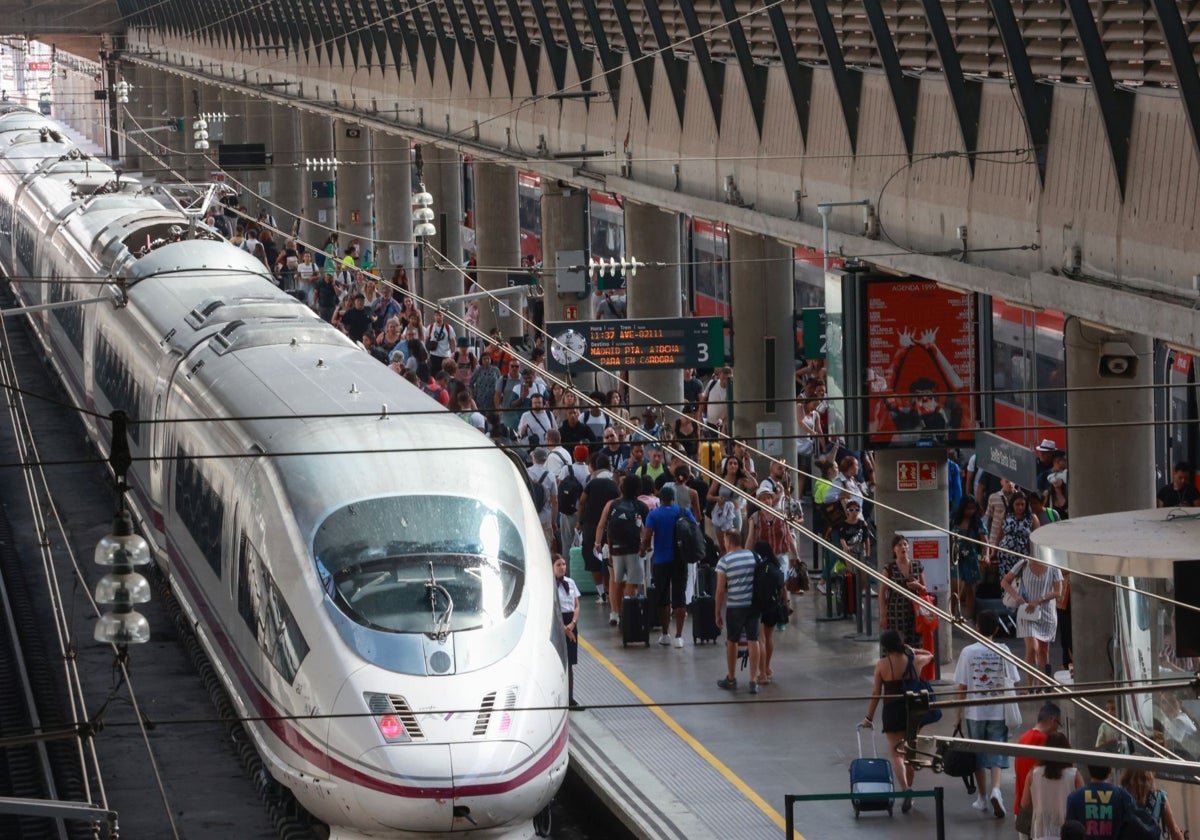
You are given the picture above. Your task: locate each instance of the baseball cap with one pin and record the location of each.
(581, 452)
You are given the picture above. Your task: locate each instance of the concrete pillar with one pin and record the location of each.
(352, 144)
(179, 138)
(316, 141)
(1111, 469)
(564, 228)
(763, 343)
(442, 175)
(287, 170)
(233, 105)
(256, 127)
(140, 116)
(497, 243)
(931, 505)
(651, 236)
(210, 103)
(393, 203)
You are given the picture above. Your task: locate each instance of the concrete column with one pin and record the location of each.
(179, 137)
(564, 228)
(287, 170)
(652, 235)
(931, 505)
(1111, 469)
(393, 203)
(761, 284)
(140, 116)
(316, 141)
(210, 103)
(234, 105)
(256, 125)
(352, 143)
(497, 243)
(442, 175)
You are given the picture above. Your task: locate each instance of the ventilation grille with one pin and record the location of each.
(489, 706)
(394, 704)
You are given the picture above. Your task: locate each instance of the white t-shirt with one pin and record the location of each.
(557, 460)
(444, 335)
(535, 422)
(567, 596)
(985, 674)
(717, 409)
(597, 424)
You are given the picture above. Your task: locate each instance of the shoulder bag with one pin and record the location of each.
(1009, 601)
(911, 681)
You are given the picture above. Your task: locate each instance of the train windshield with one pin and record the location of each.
(421, 564)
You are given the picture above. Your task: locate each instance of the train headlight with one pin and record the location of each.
(391, 717)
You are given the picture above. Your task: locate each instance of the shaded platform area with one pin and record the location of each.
(720, 763)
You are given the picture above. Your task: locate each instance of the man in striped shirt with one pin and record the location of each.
(735, 594)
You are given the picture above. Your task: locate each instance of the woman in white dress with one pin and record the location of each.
(1046, 792)
(1036, 587)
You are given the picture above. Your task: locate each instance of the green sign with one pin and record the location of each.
(813, 322)
(636, 344)
(322, 189)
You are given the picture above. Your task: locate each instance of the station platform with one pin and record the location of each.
(719, 764)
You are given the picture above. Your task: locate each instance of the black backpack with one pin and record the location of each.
(689, 540)
(624, 528)
(569, 491)
(768, 584)
(538, 489)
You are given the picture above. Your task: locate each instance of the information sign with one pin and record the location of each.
(638, 344)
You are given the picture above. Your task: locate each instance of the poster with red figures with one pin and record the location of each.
(921, 364)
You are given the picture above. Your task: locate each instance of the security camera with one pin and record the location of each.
(1117, 360)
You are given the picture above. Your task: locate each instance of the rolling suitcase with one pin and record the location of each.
(844, 593)
(581, 576)
(638, 613)
(704, 606)
(871, 775)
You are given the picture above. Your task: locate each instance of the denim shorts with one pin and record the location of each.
(988, 730)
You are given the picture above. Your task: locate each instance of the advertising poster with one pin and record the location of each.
(921, 364)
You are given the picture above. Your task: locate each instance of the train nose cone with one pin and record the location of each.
(412, 790)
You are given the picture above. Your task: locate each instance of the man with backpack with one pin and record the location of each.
(545, 496)
(621, 526)
(735, 607)
(571, 477)
(669, 571)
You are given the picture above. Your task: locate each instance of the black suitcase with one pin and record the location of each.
(844, 594)
(635, 619)
(704, 606)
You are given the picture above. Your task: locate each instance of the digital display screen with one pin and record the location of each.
(636, 344)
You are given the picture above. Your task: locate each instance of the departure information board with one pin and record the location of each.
(636, 344)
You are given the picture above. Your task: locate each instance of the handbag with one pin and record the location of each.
(1012, 711)
(956, 762)
(797, 577)
(1010, 603)
(925, 620)
(911, 682)
(1025, 820)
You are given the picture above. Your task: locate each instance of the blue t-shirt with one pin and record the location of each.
(662, 522)
(738, 568)
(1100, 807)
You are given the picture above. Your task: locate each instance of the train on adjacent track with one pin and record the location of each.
(364, 569)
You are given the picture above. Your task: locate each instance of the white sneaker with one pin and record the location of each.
(613, 619)
(980, 804)
(679, 641)
(664, 640)
(997, 803)
(600, 598)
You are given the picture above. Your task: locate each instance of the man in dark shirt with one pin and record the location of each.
(1100, 806)
(356, 319)
(598, 492)
(327, 296)
(1181, 492)
(575, 431)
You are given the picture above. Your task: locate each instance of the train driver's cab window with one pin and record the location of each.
(421, 564)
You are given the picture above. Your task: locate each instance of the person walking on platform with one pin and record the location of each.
(896, 611)
(598, 491)
(982, 673)
(568, 605)
(1036, 588)
(734, 607)
(669, 574)
(890, 671)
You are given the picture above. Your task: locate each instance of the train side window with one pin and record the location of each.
(263, 608)
(200, 509)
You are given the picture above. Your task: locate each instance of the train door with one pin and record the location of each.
(1182, 438)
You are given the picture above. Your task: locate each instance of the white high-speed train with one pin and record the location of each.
(385, 600)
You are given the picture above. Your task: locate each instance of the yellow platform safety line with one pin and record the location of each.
(687, 737)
